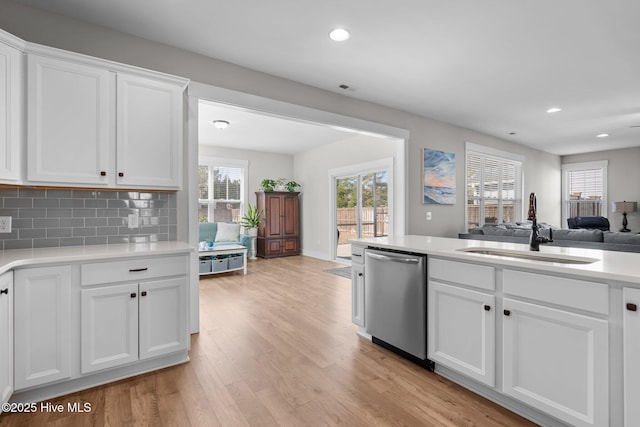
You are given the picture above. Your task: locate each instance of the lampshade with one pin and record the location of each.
(624, 206)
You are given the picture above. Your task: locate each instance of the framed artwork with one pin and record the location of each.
(439, 177)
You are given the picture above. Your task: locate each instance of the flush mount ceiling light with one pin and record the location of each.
(554, 110)
(221, 124)
(602, 135)
(339, 34)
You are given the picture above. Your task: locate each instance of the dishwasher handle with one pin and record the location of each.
(394, 258)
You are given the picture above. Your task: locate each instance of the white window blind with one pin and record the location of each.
(221, 191)
(494, 192)
(584, 189)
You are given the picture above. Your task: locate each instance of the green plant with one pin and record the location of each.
(291, 186)
(252, 218)
(268, 184)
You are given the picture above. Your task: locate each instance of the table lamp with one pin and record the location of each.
(624, 207)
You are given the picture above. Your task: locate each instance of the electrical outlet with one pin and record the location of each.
(5, 224)
(428, 216)
(133, 221)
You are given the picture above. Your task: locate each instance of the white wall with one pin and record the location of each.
(311, 169)
(623, 180)
(261, 165)
(542, 173)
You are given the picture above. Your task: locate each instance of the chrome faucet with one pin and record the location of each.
(536, 240)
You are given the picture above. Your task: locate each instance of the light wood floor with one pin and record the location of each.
(277, 348)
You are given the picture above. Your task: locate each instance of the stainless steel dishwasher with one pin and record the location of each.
(396, 302)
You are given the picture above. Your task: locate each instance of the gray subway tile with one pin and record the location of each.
(173, 201)
(59, 194)
(173, 232)
(173, 216)
(20, 223)
(116, 222)
(84, 213)
(9, 212)
(162, 196)
(95, 203)
(32, 233)
(163, 237)
(148, 212)
(10, 236)
(46, 243)
(72, 241)
(107, 231)
(32, 192)
(71, 222)
(151, 229)
(95, 222)
(139, 204)
(125, 212)
(72, 203)
(8, 192)
(33, 213)
(123, 231)
(83, 194)
(117, 239)
(1, 245)
(17, 202)
(145, 196)
(59, 213)
(128, 195)
(18, 244)
(59, 232)
(84, 231)
(46, 222)
(107, 213)
(46, 203)
(139, 239)
(98, 240)
(112, 204)
(106, 194)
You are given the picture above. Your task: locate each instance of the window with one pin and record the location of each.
(494, 186)
(221, 190)
(584, 189)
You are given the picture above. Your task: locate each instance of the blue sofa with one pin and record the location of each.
(577, 238)
(207, 232)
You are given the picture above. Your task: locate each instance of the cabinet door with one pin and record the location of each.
(68, 138)
(273, 216)
(461, 330)
(109, 328)
(357, 294)
(631, 325)
(42, 315)
(6, 337)
(290, 215)
(557, 361)
(163, 319)
(10, 113)
(149, 132)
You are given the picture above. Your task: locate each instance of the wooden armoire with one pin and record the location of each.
(279, 233)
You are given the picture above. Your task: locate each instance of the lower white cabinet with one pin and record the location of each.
(6, 336)
(461, 330)
(357, 293)
(42, 334)
(128, 322)
(631, 327)
(557, 361)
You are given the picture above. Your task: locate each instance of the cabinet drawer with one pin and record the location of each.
(132, 270)
(479, 276)
(571, 293)
(357, 254)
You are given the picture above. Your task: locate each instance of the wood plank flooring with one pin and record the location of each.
(277, 348)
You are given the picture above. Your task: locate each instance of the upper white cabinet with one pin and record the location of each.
(97, 123)
(6, 336)
(68, 123)
(11, 114)
(149, 124)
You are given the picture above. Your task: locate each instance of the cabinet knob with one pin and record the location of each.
(632, 307)
(120, 174)
(4, 291)
(360, 274)
(143, 293)
(487, 307)
(507, 312)
(133, 294)
(103, 173)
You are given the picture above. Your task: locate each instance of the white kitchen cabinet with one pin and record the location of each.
(631, 350)
(11, 115)
(461, 330)
(109, 328)
(357, 294)
(68, 123)
(42, 334)
(557, 361)
(149, 129)
(6, 336)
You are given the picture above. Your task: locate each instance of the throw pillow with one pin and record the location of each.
(228, 232)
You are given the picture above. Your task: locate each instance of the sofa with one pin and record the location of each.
(579, 238)
(222, 233)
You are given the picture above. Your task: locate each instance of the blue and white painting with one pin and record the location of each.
(439, 177)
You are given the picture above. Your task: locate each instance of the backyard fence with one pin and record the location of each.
(374, 223)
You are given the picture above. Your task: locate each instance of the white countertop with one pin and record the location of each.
(10, 259)
(610, 265)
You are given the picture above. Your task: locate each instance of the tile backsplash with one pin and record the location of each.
(43, 218)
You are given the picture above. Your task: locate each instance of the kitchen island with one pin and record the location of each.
(552, 335)
(76, 317)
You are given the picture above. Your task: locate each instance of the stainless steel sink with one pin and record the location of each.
(534, 256)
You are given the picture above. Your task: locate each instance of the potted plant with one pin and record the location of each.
(292, 185)
(251, 220)
(268, 184)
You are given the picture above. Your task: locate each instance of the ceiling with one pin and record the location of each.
(494, 66)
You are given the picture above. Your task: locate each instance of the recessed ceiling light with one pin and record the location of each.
(221, 124)
(602, 135)
(554, 110)
(339, 34)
